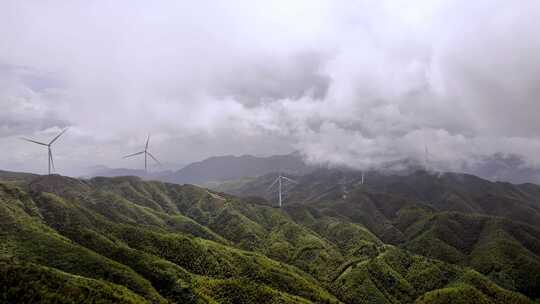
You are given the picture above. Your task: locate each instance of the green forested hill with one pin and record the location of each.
(493, 228)
(123, 240)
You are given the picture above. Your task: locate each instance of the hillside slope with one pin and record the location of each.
(461, 219)
(131, 241)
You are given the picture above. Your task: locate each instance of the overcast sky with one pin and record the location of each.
(345, 82)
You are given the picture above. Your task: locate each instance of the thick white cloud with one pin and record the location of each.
(347, 82)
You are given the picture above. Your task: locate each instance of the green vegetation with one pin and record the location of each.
(30, 283)
(122, 240)
(493, 228)
(396, 276)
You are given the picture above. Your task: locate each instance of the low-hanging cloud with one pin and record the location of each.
(358, 83)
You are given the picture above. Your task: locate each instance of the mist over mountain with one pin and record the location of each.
(511, 168)
(218, 169)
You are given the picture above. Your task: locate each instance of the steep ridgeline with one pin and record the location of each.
(493, 228)
(123, 240)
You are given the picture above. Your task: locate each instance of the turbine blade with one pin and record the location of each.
(52, 160)
(155, 159)
(147, 140)
(275, 181)
(290, 180)
(133, 154)
(33, 141)
(57, 136)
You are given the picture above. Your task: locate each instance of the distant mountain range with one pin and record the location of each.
(232, 169)
(509, 168)
(216, 169)
(223, 168)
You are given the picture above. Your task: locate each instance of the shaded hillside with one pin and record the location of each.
(443, 192)
(461, 219)
(102, 171)
(16, 177)
(126, 240)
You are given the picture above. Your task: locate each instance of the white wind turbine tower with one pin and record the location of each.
(49, 151)
(146, 154)
(280, 180)
(426, 159)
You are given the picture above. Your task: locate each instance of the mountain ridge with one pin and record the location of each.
(231, 169)
(165, 242)
(426, 214)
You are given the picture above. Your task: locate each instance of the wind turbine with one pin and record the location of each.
(146, 154)
(342, 184)
(280, 180)
(428, 164)
(426, 159)
(49, 151)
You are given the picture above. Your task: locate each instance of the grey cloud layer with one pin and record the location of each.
(347, 82)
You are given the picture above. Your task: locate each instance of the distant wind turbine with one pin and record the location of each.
(428, 163)
(146, 154)
(426, 160)
(280, 179)
(49, 151)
